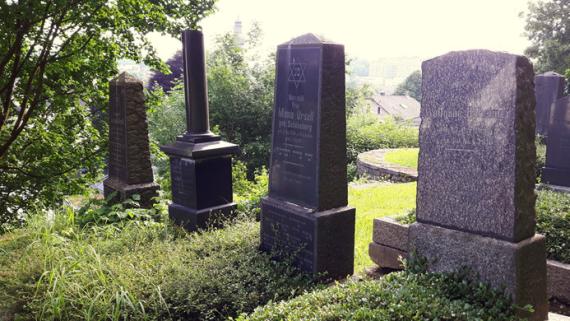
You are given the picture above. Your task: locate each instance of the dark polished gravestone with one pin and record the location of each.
(548, 88)
(475, 200)
(130, 170)
(200, 162)
(557, 168)
(306, 210)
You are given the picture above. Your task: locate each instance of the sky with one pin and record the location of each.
(374, 29)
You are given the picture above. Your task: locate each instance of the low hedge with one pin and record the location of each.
(138, 270)
(398, 296)
(553, 221)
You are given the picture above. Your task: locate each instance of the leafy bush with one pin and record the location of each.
(248, 193)
(553, 221)
(366, 132)
(397, 296)
(137, 270)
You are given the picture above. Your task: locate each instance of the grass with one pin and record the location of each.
(137, 270)
(372, 201)
(406, 157)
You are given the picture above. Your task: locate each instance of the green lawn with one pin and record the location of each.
(372, 201)
(407, 157)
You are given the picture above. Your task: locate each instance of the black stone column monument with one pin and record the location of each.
(200, 162)
(556, 173)
(306, 210)
(548, 88)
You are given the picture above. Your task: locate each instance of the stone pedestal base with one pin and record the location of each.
(201, 174)
(323, 242)
(519, 268)
(192, 219)
(124, 191)
(556, 176)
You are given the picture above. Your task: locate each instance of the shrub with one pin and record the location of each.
(137, 270)
(397, 296)
(366, 132)
(553, 221)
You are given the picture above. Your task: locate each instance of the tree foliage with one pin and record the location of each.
(167, 80)
(56, 58)
(548, 29)
(240, 95)
(411, 86)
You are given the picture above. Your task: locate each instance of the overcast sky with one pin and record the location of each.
(376, 28)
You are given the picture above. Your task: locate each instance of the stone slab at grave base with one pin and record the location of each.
(518, 267)
(559, 281)
(124, 191)
(386, 257)
(555, 188)
(322, 241)
(192, 219)
(556, 177)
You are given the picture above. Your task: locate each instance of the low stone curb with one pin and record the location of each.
(372, 165)
(390, 241)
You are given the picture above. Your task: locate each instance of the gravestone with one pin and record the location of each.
(200, 162)
(557, 168)
(306, 210)
(130, 170)
(548, 88)
(475, 201)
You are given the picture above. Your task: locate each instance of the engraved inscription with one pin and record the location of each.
(292, 231)
(295, 125)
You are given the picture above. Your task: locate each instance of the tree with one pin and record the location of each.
(56, 58)
(548, 29)
(411, 86)
(168, 80)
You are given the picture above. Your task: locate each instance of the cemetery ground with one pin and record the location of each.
(112, 263)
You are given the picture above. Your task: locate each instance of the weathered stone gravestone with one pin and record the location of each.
(200, 162)
(306, 209)
(130, 170)
(548, 88)
(557, 169)
(475, 201)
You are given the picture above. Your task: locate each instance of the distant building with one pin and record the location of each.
(400, 107)
(238, 36)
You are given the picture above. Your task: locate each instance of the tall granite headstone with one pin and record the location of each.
(557, 169)
(200, 162)
(475, 200)
(548, 88)
(130, 170)
(306, 210)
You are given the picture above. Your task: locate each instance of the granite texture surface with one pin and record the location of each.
(557, 168)
(387, 231)
(477, 153)
(559, 281)
(386, 257)
(519, 268)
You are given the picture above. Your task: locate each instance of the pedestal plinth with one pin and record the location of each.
(322, 241)
(201, 173)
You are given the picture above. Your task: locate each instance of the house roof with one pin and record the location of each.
(404, 107)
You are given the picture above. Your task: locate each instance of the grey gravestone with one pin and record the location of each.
(306, 208)
(548, 88)
(130, 170)
(200, 162)
(557, 169)
(475, 202)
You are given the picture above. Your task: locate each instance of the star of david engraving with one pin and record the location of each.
(296, 73)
